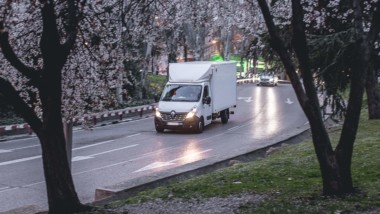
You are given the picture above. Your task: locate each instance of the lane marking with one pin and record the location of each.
(104, 142)
(156, 165)
(288, 101)
(5, 151)
(39, 156)
(233, 128)
(6, 189)
(104, 167)
(114, 150)
(124, 162)
(246, 99)
(95, 144)
(20, 160)
(79, 158)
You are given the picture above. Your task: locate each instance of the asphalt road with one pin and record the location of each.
(117, 153)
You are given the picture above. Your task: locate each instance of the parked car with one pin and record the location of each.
(268, 78)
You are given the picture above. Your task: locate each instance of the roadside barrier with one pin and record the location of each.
(89, 120)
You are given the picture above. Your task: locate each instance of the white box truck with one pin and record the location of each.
(196, 93)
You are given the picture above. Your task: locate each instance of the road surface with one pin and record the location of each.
(117, 153)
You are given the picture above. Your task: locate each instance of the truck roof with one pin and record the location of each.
(195, 71)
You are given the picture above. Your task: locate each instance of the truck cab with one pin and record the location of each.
(184, 106)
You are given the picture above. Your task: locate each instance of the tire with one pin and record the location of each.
(199, 128)
(159, 129)
(225, 115)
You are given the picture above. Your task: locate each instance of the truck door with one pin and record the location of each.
(207, 110)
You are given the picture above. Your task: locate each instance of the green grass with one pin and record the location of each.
(290, 177)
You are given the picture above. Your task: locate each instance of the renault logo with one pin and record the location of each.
(172, 114)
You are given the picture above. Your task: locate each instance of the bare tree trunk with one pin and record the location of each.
(62, 196)
(373, 96)
(68, 132)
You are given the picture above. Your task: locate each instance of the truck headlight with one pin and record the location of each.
(191, 113)
(158, 113)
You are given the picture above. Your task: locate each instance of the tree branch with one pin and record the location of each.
(12, 96)
(302, 52)
(278, 46)
(50, 45)
(72, 28)
(31, 73)
(375, 25)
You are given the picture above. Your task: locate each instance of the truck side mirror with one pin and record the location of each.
(207, 100)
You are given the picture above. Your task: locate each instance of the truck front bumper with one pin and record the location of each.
(191, 123)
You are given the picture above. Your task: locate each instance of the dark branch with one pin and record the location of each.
(72, 28)
(50, 45)
(375, 25)
(13, 98)
(31, 73)
(302, 52)
(278, 46)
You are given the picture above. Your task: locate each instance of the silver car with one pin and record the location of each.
(268, 78)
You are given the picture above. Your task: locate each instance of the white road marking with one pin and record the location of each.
(154, 166)
(113, 150)
(288, 101)
(6, 189)
(26, 147)
(168, 163)
(123, 162)
(19, 160)
(233, 128)
(246, 99)
(79, 158)
(95, 144)
(5, 151)
(39, 156)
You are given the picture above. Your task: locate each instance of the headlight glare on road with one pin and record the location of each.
(191, 113)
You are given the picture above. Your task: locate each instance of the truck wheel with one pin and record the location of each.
(199, 128)
(225, 115)
(159, 129)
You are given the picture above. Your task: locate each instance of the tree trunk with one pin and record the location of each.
(68, 132)
(62, 197)
(334, 166)
(373, 96)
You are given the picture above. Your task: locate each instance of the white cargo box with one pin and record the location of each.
(221, 75)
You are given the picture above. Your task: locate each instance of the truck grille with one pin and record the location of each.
(177, 116)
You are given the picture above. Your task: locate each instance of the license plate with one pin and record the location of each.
(174, 123)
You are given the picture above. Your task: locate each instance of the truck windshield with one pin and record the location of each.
(181, 93)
